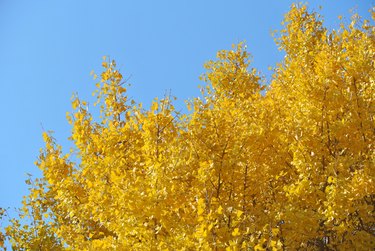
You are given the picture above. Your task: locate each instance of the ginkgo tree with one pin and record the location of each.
(287, 165)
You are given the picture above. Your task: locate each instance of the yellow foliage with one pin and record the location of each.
(283, 166)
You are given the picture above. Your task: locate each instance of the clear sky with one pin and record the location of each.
(48, 48)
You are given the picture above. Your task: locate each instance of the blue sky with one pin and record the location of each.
(48, 48)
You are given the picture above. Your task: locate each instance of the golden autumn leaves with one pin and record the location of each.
(252, 167)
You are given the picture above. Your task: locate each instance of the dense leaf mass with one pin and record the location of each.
(287, 165)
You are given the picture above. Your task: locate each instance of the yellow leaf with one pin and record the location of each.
(236, 232)
(239, 213)
(275, 231)
(220, 210)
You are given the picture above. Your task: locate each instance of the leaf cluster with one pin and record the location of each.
(284, 166)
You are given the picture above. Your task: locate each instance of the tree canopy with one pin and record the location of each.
(284, 165)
